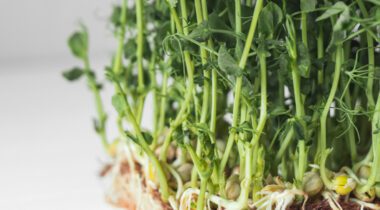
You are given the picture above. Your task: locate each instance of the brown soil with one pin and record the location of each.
(324, 205)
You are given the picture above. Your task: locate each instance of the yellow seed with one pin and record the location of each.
(341, 180)
(343, 185)
(342, 190)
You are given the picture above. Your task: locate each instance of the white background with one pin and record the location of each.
(49, 154)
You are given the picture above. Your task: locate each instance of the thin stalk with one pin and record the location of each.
(164, 187)
(302, 163)
(350, 135)
(214, 91)
(247, 181)
(98, 102)
(240, 144)
(326, 109)
(304, 27)
(181, 29)
(161, 120)
(371, 59)
(156, 104)
(118, 62)
(164, 86)
(320, 52)
(206, 89)
(263, 98)
(238, 86)
(300, 112)
(202, 195)
(139, 55)
(375, 166)
(285, 144)
(323, 172)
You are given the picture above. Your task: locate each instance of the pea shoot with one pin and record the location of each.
(256, 104)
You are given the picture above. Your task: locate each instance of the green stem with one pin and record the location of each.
(285, 144)
(323, 172)
(139, 55)
(182, 29)
(320, 52)
(119, 53)
(98, 102)
(161, 120)
(300, 112)
(238, 86)
(302, 163)
(164, 188)
(202, 195)
(206, 90)
(263, 99)
(326, 109)
(156, 107)
(375, 167)
(371, 59)
(247, 181)
(350, 133)
(304, 27)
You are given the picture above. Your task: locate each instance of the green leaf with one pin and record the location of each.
(115, 16)
(97, 126)
(270, 18)
(130, 48)
(303, 60)
(147, 137)
(131, 136)
(118, 102)
(78, 43)
(377, 2)
(73, 74)
(333, 10)
(342, 20)
(227, 63)
(308, 5)
(278, 110)
(201, 33)
(216, 22)
(289, 24)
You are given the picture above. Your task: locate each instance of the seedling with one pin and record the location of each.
(256, 104)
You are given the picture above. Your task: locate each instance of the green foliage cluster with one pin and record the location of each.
(302, 75)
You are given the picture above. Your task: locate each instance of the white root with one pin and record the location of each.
(280, 199)
(173, 203)
(365, 204)
(119, 185)
(178, 180)
(191, 193)
(332, 199)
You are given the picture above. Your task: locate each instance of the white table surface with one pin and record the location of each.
(49, 154)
